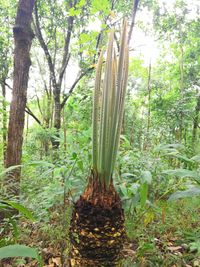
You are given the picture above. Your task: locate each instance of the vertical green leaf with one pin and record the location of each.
(95, 148)
(106, 136)
(143, 194)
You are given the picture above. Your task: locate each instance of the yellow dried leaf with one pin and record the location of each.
(76, 251)
(84, 233)
(90, 235)
(73, 262)
(117, 234)
(112, 14)
(149, 217)
(57, 261)
(93, 66)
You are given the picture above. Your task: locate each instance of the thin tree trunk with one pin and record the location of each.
(56, 80)
(4, 120)
(64, 131)
(196, 122)
(149, 99)
(57, 117)
(23, 36)
(149, 107)
(27, 128)
(182, 93)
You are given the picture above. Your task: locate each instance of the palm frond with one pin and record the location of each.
(95, 147)
(106, 131)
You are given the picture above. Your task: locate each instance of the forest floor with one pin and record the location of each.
(167, 235)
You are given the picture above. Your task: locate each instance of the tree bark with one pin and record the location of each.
(23, 36)
(134, 11)
(4, 119)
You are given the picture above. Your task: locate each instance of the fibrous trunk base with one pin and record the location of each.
(97, 228)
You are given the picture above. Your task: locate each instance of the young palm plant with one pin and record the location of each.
(97, 226)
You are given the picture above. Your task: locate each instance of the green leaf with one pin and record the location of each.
(134, 188)
(3, 206)
(9, 169)
(20, 208)
(40, 163)
(181, 157)
(74, 12)
(74, 155)
(127, 174)
(195, 247)
(81, 3)
(80, 165)
(169, 147)
(196, 158)
(192, 192)
(143, 194)
(181, 173)
(146, 177)
(19, 251)
(123, 189)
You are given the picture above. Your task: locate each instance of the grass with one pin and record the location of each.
(165, 234)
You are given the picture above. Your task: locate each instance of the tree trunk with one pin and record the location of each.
(182, 89)
(57, 117)
(4, 120)
(147, 141)
(196, 122)
(64, 131)
(23, 36)
(97, 230)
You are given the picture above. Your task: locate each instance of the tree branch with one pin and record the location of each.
(42, 77)
(36, 25)
(66, 56)
(6, 84)
(28, 111)
(81, 75)
(134, 11)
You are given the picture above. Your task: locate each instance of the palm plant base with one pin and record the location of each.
(97, 227)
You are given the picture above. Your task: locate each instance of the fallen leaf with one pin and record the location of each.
(57, 261)
(196, 263)
(175, 248)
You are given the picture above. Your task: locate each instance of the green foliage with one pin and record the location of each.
(195, 247)
(146, 180)
(9, 169)
(192, 192)
(19, 251)
(6, 204)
